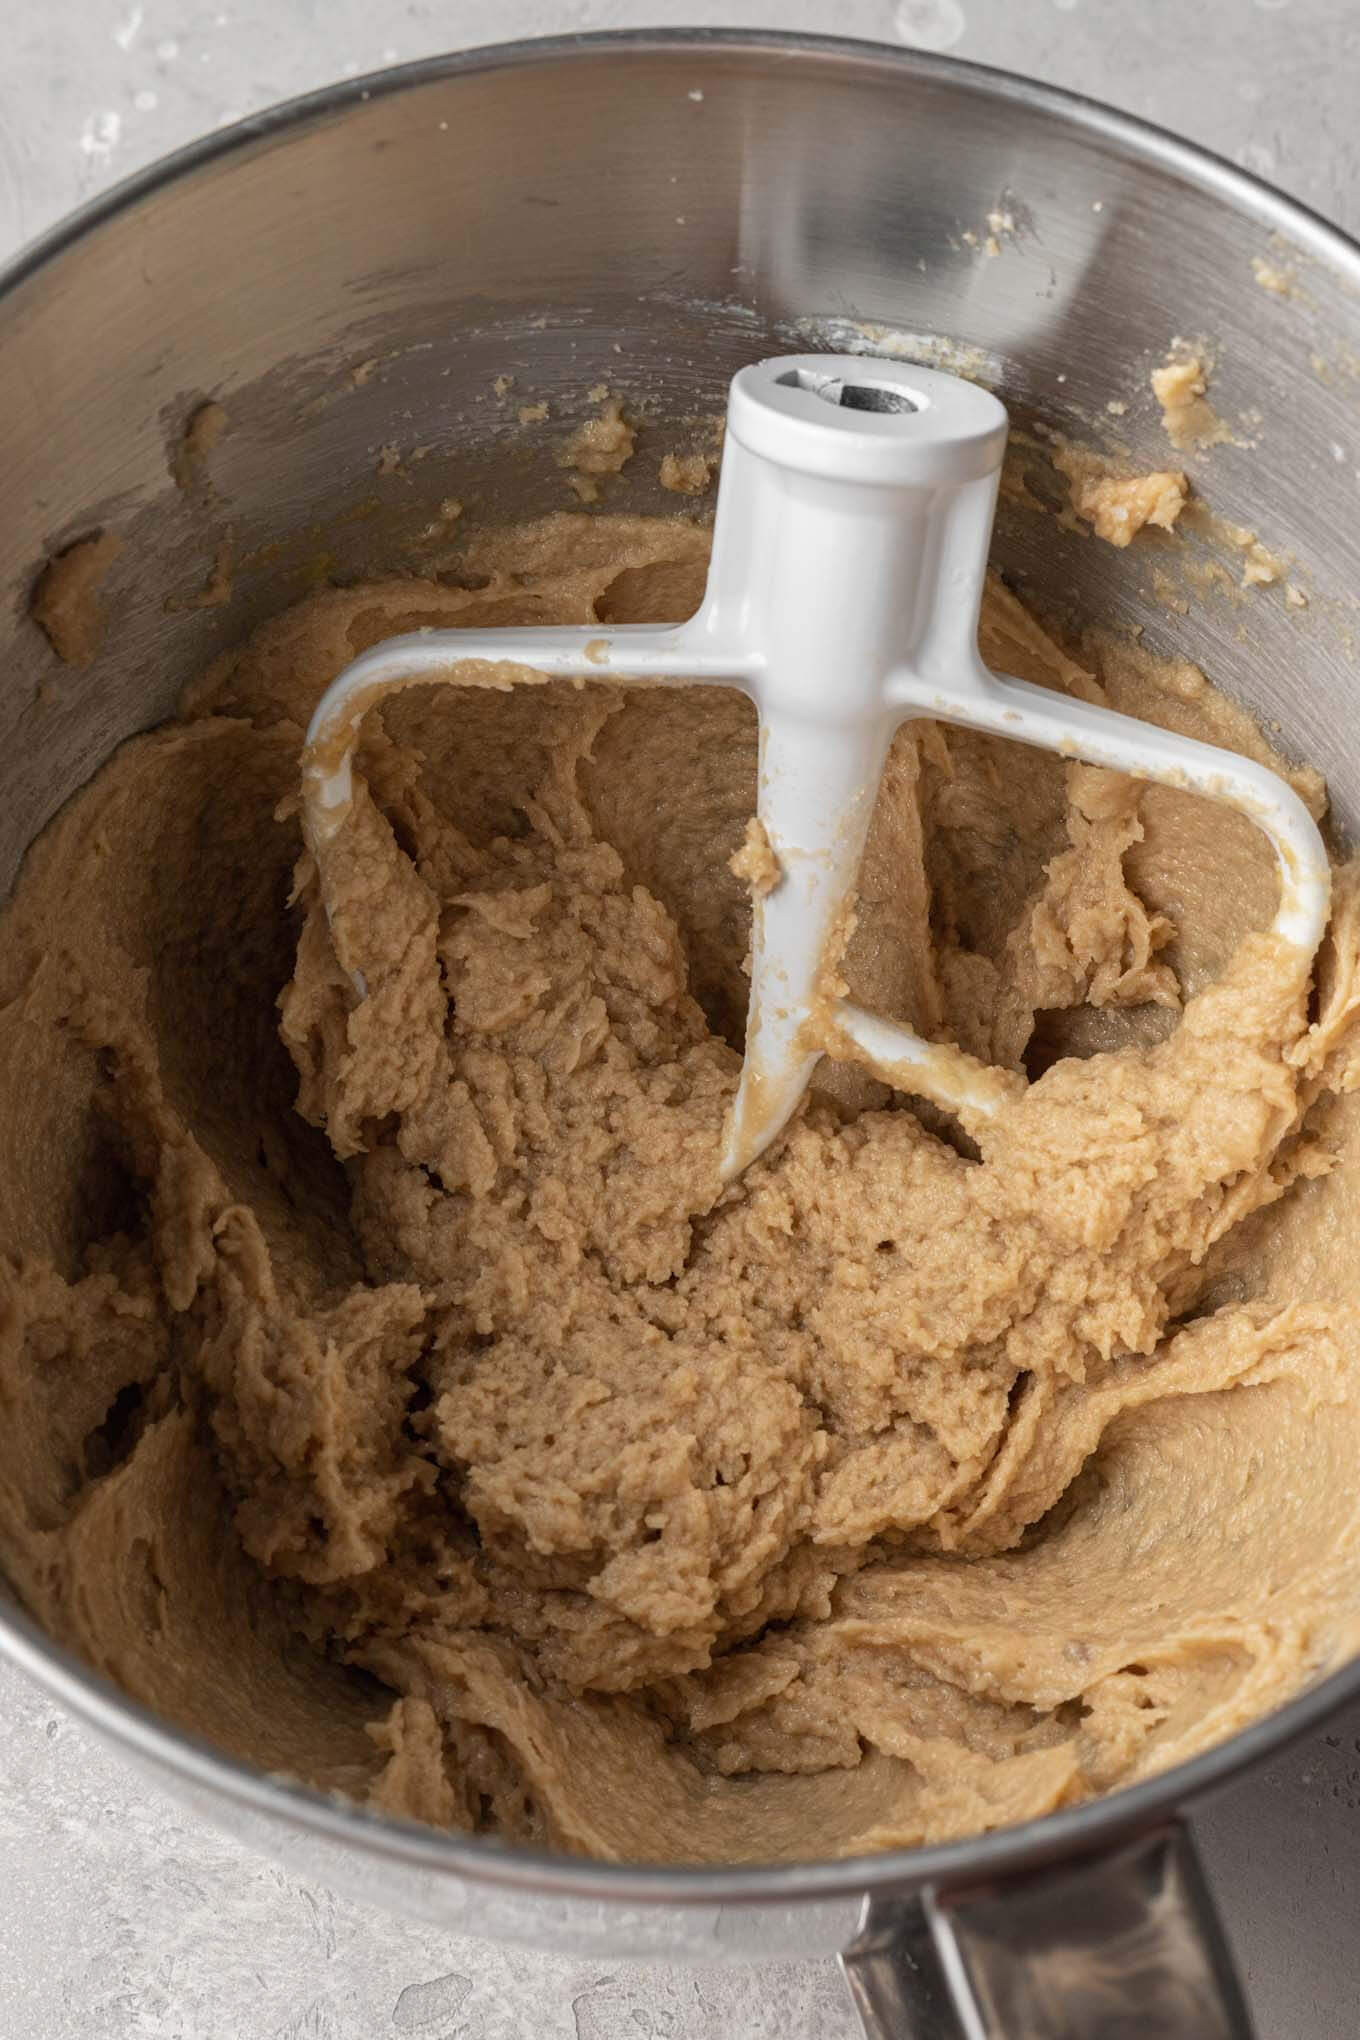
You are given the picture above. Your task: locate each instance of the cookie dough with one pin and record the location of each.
(66, 603)
(1179, 386)
(392, 1396)
(599, 447)
(204, 426)
(686, 474)
(1118, 506)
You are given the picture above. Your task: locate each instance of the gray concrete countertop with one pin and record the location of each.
(126, 1919)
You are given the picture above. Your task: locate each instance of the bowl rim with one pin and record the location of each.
(1085, 1829)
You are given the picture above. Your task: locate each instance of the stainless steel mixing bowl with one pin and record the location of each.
(653, 211)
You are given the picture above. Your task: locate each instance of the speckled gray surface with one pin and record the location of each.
(121, 1915)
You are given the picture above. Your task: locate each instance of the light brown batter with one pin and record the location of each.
(1118, 506)
(453, 1441)
(1179, 386)
(65, 601)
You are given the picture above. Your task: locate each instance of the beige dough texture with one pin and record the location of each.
(203, 428)
(1179, 386)
(393, 1397)
(599, 447)
(1118, 506)
(65, 603)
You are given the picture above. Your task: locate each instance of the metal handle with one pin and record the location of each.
(1127, 1946)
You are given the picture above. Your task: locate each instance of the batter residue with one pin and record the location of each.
(391, 1396)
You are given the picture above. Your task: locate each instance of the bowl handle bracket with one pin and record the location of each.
(1126, 1943)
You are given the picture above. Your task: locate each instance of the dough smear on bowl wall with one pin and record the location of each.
(395, 1396)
